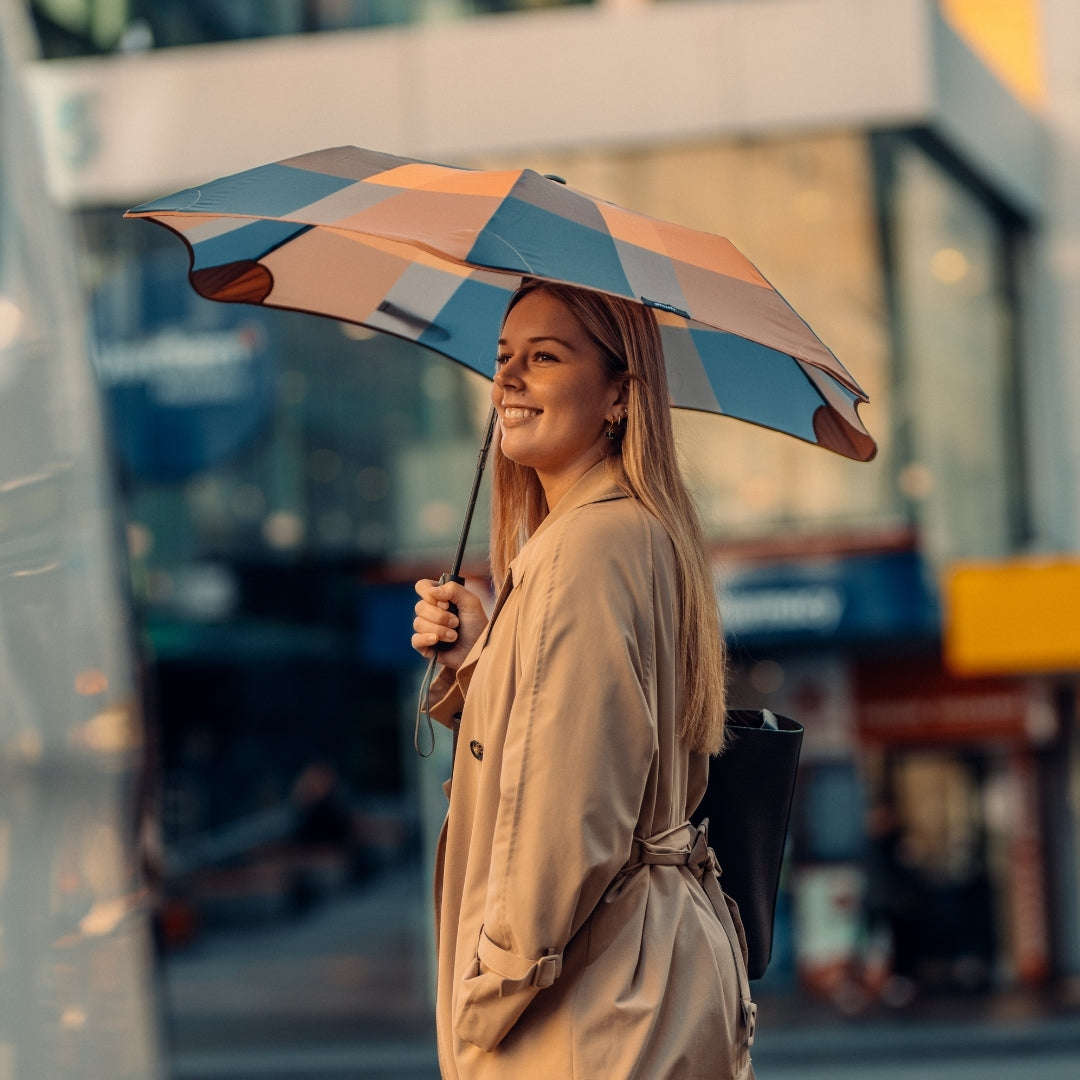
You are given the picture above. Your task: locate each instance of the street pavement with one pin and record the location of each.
(925, 1045)
(343, 992)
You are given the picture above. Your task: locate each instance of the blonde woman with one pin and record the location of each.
(575, 937)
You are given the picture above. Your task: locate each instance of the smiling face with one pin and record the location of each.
(553, 393)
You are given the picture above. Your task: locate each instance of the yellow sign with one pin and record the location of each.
(1014, 617)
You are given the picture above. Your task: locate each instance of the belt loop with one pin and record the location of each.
(750, 1019)
(548, 969)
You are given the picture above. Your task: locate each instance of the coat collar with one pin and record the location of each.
(599, 484)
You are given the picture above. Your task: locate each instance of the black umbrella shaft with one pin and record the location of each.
(481, 462)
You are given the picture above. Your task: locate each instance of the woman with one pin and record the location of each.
(575, 939)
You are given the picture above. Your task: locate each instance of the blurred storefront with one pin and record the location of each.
(287, 477)
(932, 843)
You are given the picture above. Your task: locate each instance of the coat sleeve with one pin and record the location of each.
(580, 744)
(445, 699)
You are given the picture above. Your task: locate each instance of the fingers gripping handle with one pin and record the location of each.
(457, 579)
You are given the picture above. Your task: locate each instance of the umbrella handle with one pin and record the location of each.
(442, 646)
(453, 574)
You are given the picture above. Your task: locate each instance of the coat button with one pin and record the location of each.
(477, 749)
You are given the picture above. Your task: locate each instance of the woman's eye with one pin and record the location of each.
(537, 357)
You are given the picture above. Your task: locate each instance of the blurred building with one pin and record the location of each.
(902, 170)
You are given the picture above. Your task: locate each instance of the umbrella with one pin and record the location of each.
(431, 253)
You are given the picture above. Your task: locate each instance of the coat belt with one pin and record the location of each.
(687, 845)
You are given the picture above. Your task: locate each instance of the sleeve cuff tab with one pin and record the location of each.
(538, 973)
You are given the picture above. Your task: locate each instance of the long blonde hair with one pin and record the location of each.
(645, 466)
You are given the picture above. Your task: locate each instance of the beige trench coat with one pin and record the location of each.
(567, 948)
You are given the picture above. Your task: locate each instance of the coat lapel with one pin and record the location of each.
(597, 485)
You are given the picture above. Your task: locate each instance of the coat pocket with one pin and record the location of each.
(496, 989)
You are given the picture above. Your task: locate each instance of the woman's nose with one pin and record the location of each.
(508, 373)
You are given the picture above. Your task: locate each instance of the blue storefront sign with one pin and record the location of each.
(873, 596)
(188, 384)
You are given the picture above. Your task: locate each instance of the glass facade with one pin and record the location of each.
(953, 264)
(78, 27)
(290, 435)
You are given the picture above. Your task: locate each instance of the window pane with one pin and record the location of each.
(955, 379)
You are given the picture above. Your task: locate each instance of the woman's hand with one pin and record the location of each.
(434, 621)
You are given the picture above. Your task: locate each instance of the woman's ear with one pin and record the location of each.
(624, 393)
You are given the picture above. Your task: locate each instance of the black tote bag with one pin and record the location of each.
(748, 804)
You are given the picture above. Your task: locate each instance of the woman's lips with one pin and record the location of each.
(517, 412)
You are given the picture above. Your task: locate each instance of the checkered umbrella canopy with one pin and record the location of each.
(432, 253)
